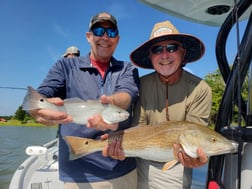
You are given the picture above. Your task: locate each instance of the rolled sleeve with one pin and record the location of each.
(129, 81)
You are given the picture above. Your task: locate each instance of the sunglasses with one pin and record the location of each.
(170, 48)
(99, 31)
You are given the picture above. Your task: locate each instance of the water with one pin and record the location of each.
(15, 139)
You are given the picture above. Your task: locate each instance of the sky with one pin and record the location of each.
(34, 34)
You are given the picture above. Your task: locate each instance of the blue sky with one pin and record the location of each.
(34, 34)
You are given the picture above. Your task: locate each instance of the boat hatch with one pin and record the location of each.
(36, 186)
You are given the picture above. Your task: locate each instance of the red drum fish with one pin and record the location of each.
(156, 142)
(77, 108)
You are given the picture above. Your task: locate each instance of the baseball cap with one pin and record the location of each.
(102, 17)
(71, 50)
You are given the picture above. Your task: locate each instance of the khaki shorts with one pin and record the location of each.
(151, 176)
(125, 182)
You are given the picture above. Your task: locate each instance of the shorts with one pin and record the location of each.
(125, 182)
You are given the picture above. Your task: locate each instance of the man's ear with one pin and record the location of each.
(183, 58)
(88, 36)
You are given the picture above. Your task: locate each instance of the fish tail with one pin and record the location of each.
(77, 146)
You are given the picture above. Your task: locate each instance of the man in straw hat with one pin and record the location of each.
(169, 94)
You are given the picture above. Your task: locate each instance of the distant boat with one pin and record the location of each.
(3, 120)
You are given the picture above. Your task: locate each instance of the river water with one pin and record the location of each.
(15, 139)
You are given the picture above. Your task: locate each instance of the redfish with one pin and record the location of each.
(155, 142)
(77, 108)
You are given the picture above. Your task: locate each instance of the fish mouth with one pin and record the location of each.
(124, 115)
(225, 149)
(233, 148)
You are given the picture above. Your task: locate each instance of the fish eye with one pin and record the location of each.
(41, 100)
(86, 143)
(214, 139)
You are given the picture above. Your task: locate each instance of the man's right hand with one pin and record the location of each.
(113, 149)
(51, 117)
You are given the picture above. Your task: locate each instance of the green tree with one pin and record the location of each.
(20, 114)
(216, 82)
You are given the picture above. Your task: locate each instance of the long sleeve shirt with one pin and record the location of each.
(75, 77)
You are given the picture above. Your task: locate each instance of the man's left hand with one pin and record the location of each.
(97, 122)
(188, 161)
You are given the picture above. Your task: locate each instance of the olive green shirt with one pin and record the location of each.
(189, 99)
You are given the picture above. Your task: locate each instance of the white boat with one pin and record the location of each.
(207, 12)
(232, 171)
(40, 170)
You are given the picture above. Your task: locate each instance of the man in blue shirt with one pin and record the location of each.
(98, 75)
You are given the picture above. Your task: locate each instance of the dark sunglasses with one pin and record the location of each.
(99, 31)
(170, 48)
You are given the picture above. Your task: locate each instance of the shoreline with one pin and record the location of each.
(19, 123)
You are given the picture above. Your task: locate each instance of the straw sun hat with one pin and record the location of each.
(163, 31)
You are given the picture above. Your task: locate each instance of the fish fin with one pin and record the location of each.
(94, 101)
(74, 100)
(97, 102)
(169, 165)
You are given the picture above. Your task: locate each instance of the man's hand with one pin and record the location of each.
(51, 117)
(186, 160)
(97, 122)
(113, 149)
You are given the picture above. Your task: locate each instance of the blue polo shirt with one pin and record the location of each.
(75, 77)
